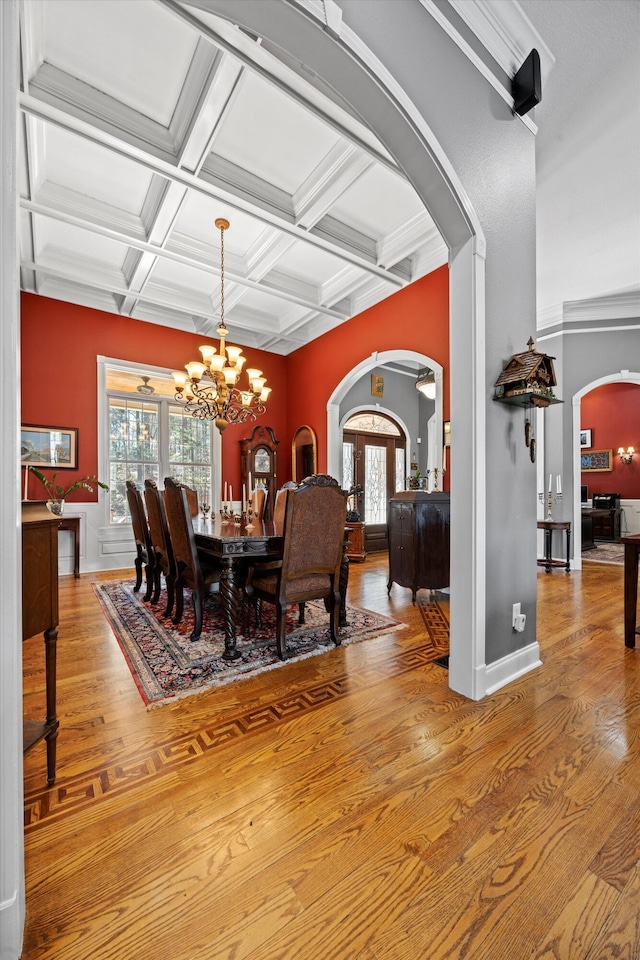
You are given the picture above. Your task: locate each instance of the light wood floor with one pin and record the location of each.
(349, 807)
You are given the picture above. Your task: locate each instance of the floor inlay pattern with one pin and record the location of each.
(68, 796)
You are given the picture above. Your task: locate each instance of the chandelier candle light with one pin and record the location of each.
(209, 389)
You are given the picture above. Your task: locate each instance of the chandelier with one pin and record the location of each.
(210, 389)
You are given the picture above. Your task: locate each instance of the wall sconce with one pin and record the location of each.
(426, 384)
(626, 455)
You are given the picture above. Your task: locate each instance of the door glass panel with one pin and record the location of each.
(375, 487)
(400, 469)
(347, 465)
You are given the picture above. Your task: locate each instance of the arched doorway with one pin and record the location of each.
(374, 467)
(620, 377)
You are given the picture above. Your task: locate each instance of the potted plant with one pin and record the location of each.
(58, 494)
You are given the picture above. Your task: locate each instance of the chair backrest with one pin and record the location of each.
(138, 518)
(158, 527)
(258, 499)
(176, 505)
(313, 534)
(281, 499)
(192, 500)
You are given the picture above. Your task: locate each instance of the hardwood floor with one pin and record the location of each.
(346, 807)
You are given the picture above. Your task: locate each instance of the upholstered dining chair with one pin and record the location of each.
(192, 570)
(162, 546)
(145, 556)
(313, 535)
(258, 502)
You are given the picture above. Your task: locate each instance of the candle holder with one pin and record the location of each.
(205, 511)
(550, 500)
(249, 517)
(435, 479)
(225, 512)
(237, 519)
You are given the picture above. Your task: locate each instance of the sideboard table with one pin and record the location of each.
(549, 526)
(631, 558)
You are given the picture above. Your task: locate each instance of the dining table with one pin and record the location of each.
(236, 545)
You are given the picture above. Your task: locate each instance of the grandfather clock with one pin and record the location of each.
(259, 464)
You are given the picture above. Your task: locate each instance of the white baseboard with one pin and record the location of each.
(509, 668)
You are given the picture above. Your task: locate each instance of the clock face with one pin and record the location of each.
(262, 461)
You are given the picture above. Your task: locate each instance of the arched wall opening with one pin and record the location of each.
(625, 376)
(344, 61)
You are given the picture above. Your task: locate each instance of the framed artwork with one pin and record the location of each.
(447, 433)
(586, 438)
(596, 461)
(377, 385)
(49, 447)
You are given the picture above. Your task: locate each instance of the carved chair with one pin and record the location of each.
(162, 546)
(192, 570)
(313, 535)
(145, 556)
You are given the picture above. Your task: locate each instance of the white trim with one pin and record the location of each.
(622, 376)
(512, 667)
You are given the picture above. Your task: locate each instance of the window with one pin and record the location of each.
(153, 438)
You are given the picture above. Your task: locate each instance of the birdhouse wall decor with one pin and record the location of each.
(527, 381)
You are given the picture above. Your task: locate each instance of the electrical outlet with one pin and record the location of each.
(518, 619)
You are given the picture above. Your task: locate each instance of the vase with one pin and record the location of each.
(56, 507)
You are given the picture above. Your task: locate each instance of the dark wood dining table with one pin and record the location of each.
(236, 545)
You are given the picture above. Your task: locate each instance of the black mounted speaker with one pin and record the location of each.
(526, 86)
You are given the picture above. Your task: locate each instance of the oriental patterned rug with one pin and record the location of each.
(166, 665)
(605, 553)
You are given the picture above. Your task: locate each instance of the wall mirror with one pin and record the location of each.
(304, 454)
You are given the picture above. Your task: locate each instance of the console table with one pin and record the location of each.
(40, 614)
(549, 526)
(631, 557)
(606, 522)
(73, 524)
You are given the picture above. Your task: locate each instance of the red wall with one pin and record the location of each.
(60, 343)
(612, 412)
(415, 318)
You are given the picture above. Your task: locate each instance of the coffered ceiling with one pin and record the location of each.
(142, 121)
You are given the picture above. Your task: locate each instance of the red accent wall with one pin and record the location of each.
(612, 412)
(61, 341)
(415, 318)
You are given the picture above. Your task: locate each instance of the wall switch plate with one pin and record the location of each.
(518, 619)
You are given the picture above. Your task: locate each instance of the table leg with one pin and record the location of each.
(76, 552)
(230, 600)
(630, 593)
(568, 566)
(547, 551)
(51, 721)
(344, 583)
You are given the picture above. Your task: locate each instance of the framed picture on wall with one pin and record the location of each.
(596, 461)
(49, 447)
(377, 385)
(586, 438)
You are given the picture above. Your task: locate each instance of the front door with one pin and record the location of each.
(373, 462)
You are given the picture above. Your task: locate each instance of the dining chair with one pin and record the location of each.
(258, 501)
(145, 556)
(162, 546)
(192, 570)
(313, 534)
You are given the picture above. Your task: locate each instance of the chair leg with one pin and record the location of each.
(157, 585)
(149, 571)
(169, 581)
(196, 596)
(335, 619)
(281, 629)
(177, 617)
(138, 566)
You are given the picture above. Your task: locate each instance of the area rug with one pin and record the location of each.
(167, 665)
(605, 553)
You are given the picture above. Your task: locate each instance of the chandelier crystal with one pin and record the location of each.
(209, 389)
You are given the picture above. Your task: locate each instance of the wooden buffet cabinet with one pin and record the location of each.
(40, 614)
(418, 529)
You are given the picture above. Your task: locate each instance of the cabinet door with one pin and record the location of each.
(432, 533)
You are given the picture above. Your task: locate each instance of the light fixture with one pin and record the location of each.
(626, 455)
(209, 388)
(145, 388)
(426, 384)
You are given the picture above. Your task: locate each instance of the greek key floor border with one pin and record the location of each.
(67, 797)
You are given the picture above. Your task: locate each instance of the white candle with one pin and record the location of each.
(558, 484)
(250, 484)
(550, 479)
(225, 491)
(26, 482)
(244, 496)
(231, 493)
